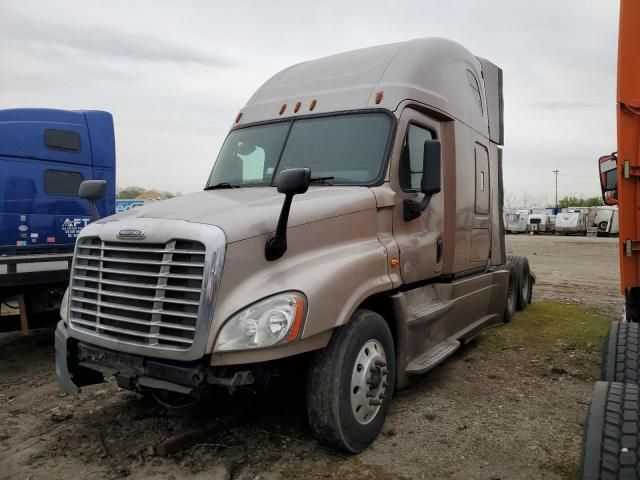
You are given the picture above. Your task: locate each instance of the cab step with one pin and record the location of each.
(433, 357)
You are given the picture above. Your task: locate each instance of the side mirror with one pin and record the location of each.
(291, 182)
(294, 181)
(431, 167)
(430, 183)
(93, 190)
(608, 167)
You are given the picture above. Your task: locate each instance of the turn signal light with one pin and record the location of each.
(297, 320)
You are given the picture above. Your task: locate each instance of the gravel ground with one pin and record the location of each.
(582, 270)
(509, 406)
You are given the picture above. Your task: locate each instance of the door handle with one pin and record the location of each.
(439, 249)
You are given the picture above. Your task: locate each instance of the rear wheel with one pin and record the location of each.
(351, 382)
(525, 282)
(621, 355)
(512, 293)
(611, 439)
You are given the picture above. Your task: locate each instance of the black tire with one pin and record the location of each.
(512, 293)
(329, 385)
(525, 283)
(611, 439)
(621, 353)
(532, 280)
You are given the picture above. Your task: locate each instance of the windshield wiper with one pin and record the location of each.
(221, 185)
(322, 180)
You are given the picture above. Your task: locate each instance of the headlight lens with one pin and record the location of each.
(64, 307)
(273, 321)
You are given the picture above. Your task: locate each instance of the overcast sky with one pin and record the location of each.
(174, 74)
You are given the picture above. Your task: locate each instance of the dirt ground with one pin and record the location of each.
(573, 269)
(508, 406)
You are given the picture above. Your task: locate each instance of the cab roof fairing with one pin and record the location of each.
(430, 71)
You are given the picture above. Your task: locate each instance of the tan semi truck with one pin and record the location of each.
(352, 220)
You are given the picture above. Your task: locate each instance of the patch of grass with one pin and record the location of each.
(551, 326)
(563, 339)
(566, 470)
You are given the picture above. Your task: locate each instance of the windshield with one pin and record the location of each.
(347, 149)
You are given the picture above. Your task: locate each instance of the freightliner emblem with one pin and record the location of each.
(131, 233)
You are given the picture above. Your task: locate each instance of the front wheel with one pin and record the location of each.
(351, 382)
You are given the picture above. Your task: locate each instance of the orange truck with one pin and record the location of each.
(611, 441)
(620, 172)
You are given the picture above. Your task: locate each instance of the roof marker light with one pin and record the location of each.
(312, 105)
(379, 96)
(283, 107)
(297, 107)
(238, 117)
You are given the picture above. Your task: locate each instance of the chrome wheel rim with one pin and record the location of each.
(368, 382)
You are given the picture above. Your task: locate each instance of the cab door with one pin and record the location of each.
(481, 231)
(419, 240)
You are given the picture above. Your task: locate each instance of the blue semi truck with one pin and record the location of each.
(44, 156)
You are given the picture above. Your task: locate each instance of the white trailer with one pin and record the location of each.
(541, 220)
(516, 221)
(606, 219)
(572, 221)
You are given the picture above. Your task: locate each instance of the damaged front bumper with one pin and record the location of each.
(79, 364)
(70, 376)
(63, 377)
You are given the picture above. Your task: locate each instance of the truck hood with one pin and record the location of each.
(249, 212)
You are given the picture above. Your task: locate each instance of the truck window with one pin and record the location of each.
(65, 140)
(349, 148)
(249, 155)
(62, 182)
(411, 160)
(475, 89)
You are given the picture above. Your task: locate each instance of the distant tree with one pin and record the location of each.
(130, 192)
(523, 200)
(510, 200)
(151, 194)
(142, 193)
(572, 201)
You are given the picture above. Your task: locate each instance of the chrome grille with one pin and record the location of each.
(140, 293)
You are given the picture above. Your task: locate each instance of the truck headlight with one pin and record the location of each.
(64, 307)
(272, 321)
